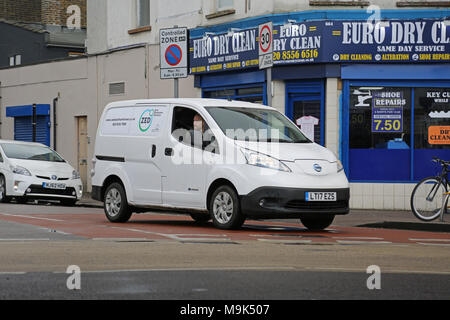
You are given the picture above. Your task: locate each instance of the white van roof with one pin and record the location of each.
(198, 102)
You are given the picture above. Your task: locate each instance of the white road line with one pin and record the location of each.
(41, 239)
(187, 269)
(175, 237)
(358, 238)
(362, 242)
(11, 273)
(30, 217)
(434, 244)
(121, 239)
(204, 239)
(286, 241)
(434, 240)
(200, 235)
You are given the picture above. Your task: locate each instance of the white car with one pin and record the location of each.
(34, 171)
(214, 159)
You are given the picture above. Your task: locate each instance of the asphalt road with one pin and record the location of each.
(157, 256)
(254, 284)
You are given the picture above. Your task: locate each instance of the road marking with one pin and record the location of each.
(121, 239)
(436, 240)
(11, 273)
(30, 217)
(358, 238)
(176, 237)
(275, 268)
(362, 242)
(434, 244)
(286, 241)
(25, 239)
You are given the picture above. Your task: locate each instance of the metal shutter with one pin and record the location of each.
(23, 129)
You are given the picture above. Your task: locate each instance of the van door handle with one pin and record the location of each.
(168, 152)
(153, 151)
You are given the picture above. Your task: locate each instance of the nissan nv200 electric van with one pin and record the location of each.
(213, 159)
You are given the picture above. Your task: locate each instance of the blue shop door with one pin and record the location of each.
(307, 112)
(23, 129)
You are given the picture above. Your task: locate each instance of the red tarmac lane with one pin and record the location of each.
(166, 227)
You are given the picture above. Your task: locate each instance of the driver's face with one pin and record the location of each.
(198, 123)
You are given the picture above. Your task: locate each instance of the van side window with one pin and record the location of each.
(189, 127)
(1, 157)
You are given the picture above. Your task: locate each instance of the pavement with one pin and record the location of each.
(383, 219)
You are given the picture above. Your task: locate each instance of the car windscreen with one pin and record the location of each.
(28, 152)
(253, 124)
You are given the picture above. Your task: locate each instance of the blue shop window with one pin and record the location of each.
(380, 133)
(431, 119)
(395, 131)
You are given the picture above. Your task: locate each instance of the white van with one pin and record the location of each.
(213, 159)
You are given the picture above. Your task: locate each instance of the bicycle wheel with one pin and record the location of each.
(426, 199)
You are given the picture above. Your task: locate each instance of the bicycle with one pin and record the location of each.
(430, 197)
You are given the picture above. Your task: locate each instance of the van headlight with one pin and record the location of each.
(340, 167)
(20, 170)
(75, 175)
(261, 160)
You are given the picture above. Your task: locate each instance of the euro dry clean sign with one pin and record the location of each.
(393, 41)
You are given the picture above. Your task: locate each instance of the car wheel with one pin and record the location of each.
(3, 197)
(116, 204)
(224, 208)
(200, 217)
(317, 223)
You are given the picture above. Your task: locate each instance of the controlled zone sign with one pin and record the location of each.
(265, 33)
(174, 55)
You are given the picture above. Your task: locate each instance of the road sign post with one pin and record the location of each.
(174, 54)
(265, 33)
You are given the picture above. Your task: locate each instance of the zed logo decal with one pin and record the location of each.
(145, 121)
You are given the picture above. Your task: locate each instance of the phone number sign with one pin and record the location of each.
(387, 112)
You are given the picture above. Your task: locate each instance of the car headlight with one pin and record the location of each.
(75, 175)
(20, 170)
(261, 160)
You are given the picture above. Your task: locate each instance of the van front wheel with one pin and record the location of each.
(225, 209)
(317, 223)
(116, 204)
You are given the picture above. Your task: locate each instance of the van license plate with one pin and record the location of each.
(59, 186)
(320, 196)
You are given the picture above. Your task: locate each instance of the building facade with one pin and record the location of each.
(373, 95)
(35, 31)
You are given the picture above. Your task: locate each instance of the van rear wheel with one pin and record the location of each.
(116, 204)
(224, 208)
(317, 223)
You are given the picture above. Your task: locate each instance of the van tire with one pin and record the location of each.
(224, 208)
(115, 203)
(200, 217)
(317, 223)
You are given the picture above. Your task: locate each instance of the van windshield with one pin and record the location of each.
(258, 125)
(28, 152)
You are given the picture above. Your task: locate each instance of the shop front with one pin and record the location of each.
(375, 92)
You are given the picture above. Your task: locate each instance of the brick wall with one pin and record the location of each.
(41, 11)
(21, 10)
(55, 11)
